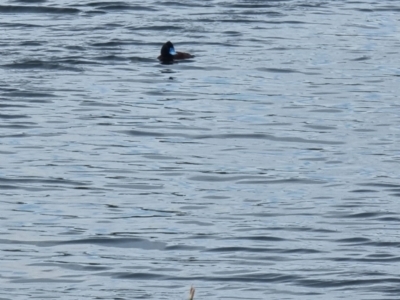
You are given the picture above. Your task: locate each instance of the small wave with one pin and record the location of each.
(100, 241)
(321, 283)
(141, 59)
(243, 249)
(39, 64)
(363, 215)
(75, 61)
(19, 25)
(6, 105)
(251, 5)
(259, 238)
(112, 43)
(136, 186)
(37, 9)
(111, 58)
(155, 28)
(30, 1)
(32, 43)
(55, 181)
(45, 281)
(183, 4)
(285, 181)
(4, 116)
(222, 178)
(119, 6)
(126, 7)
(277, 70)
(232, 136)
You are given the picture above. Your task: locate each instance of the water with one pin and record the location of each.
(265, 168)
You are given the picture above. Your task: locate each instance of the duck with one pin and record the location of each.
(168, 54)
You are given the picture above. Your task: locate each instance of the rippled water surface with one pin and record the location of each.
(267, 167)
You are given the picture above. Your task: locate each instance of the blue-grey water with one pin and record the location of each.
(267, 167)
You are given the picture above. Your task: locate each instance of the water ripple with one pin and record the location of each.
(263, 168)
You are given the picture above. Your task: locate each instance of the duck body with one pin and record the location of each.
(168, 54)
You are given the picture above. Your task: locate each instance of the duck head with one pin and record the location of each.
(168, 52)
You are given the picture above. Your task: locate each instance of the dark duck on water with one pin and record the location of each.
(168, 54)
